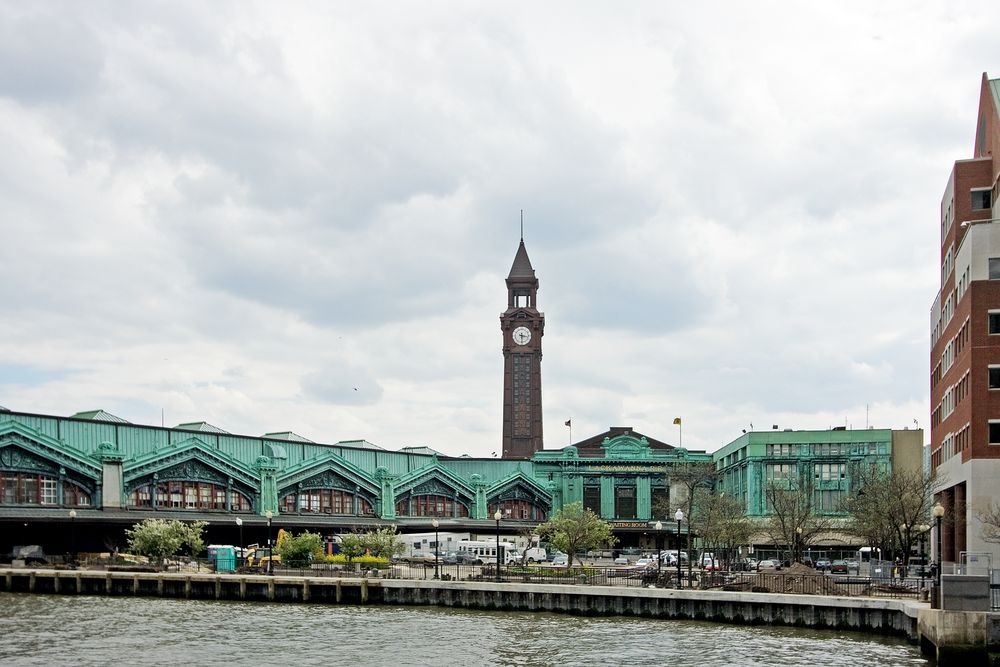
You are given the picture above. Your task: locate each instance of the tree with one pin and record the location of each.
(721, 522)
(574, 528)
(159, 538)
(382, 543)
(890, 507)
(990, 518)
(793, 520)
(690, 477)
(299, 550)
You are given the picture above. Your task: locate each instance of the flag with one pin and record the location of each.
(569, 422)
(677, 421)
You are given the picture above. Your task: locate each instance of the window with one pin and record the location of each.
(994, 268)
(592, 498)
(995, 322)
(995, 432)
(981, 198)
(994, 377)
(625, 502)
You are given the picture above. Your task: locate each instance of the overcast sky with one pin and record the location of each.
(299, 216)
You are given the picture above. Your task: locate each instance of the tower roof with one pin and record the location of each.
(521, 268)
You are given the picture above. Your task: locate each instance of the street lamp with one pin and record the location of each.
(923, 528)
(659, 549)
(679, 516)
(938, 512)
(437, 549)
(72, 537)
(270, 547)
(239, 522)
(798, 544)
(498, 515)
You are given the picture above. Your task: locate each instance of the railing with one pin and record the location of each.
(795, 583)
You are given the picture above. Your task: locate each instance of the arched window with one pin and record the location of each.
(430, 505)
(187, 495)
(325, 501)
(18, 488)
(518, 510)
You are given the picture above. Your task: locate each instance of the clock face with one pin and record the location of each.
(522, 335)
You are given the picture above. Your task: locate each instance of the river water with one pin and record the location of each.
(55, 630)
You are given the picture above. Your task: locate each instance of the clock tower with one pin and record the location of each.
(521, 326)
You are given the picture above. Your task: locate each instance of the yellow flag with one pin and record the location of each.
(677, 420)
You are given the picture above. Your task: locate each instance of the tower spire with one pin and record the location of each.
(522, 225)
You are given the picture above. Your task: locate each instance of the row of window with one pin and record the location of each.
(954, 395)
(431, 505)
(326, 501)
(824, 449)
(951, 352)
(189, 496)
(32, 489)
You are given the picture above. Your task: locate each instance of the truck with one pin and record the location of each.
(535, 555)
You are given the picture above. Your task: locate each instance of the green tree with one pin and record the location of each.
(160, 538)
(352, 546)
(299, 550)
(384, 542)
(574, 528)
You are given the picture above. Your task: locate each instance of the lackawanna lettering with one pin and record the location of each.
(628, 468)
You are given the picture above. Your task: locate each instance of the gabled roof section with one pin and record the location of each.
(421, 450)
(434, 471)
(99, 416)
(287, 435)
(521, 269)
(518, 478)
(324, 462)
(360, 444)
(204, 427)
(23, 436)
(190, 449)
(593, 447)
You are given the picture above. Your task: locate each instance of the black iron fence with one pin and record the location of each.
(811, 583)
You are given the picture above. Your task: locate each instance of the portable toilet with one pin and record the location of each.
(223, 557)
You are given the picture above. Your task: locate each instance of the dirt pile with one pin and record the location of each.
(799, 579)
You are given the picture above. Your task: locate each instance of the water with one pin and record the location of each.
(53, 630)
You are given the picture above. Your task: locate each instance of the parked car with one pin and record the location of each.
(838, 567)
(560, 560)
(645, 562)
(450, 558)
(853, 566)
(621, 560)
(822, 564)
(768, 564)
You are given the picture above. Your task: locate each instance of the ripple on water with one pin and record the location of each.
(50, 630)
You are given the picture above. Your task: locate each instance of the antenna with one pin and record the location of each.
(522, 224)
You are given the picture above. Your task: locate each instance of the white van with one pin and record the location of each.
(535, 555)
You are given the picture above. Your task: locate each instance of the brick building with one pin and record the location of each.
(965, 341)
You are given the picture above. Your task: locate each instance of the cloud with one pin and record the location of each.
(238, 212)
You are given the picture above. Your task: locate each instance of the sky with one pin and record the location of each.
(299, 216)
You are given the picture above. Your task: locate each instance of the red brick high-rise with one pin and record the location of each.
(965, 341)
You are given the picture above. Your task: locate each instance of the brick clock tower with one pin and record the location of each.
(522, 326)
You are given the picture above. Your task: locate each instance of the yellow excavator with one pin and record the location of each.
(258, 557)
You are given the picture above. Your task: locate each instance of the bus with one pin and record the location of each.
(483, 552)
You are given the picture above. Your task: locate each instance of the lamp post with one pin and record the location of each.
(679, 516)
(270, 547)
(659, 548)
(798, 544)
(938, 512)
(437, 549)
(72, 537)
(498, 515)
(239, 522)
(923, 528)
